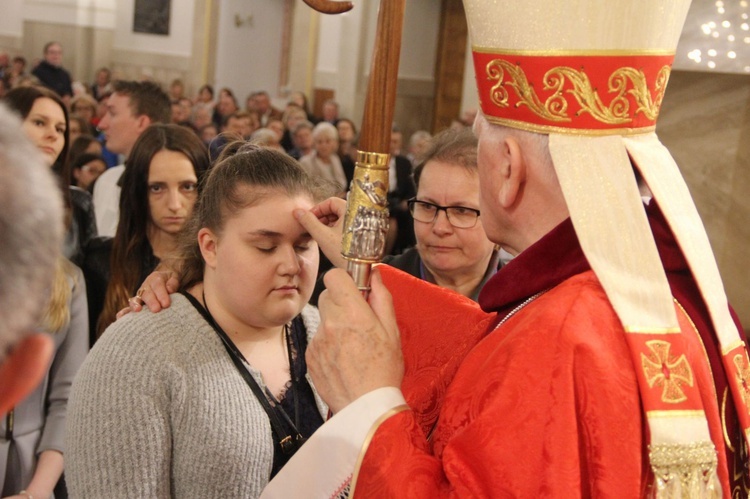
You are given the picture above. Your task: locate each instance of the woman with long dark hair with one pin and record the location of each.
(159, 188)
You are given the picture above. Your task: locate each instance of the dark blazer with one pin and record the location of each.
(404, 190)
(54, 77)
(97, 272)
(410, 262)
(82, 225)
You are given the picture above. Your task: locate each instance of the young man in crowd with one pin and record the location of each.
(131, 108)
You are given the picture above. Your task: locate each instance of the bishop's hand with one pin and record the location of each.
(357, 348)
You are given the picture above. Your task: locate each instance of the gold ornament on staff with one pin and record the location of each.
(366, 219)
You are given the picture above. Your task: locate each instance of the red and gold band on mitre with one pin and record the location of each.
(579, 92)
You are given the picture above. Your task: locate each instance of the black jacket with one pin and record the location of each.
(54, 77)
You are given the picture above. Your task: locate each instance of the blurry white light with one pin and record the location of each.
(715, 34)
(720, 10)
(744, 26)
(746, 39)
(711, 64)
(712, 52)
(744, 16)
(719, 3)
(726, 24)
(743, 3)
(732, 54)
(706, 29)
(730, 38)
(712, 24)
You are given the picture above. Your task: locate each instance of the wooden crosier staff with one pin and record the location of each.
(366, 219)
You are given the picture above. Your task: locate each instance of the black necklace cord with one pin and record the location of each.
(289, 443)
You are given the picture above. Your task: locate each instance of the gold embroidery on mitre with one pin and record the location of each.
(743, 377)
(662, 370)
(614, 114)
(555, 107)
(618, 82)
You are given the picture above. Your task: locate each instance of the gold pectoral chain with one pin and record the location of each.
(519, 307)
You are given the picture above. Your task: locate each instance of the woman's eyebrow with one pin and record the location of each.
(264, 233)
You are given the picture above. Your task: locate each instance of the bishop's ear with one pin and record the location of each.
(512, 171)
(23, 369)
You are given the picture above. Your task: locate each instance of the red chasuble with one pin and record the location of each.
(546, 404)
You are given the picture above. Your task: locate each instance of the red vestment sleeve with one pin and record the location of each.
(431, 366)
(545, 406)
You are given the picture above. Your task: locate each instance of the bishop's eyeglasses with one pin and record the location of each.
(460, 217)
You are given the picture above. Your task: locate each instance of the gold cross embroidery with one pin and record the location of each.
(662, 370)
(743, 377)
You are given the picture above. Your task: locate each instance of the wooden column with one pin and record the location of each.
(449, 69)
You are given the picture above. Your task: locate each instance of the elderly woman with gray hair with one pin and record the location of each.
(324, 161)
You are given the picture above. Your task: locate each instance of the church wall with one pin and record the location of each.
(344, 53)
(159, 57)
(705, 123)
(11, 27)
(81, 27)
(302, 57)
(416, 79)
(416, 86)
(248, 56)
(97, 33)
(470, 98)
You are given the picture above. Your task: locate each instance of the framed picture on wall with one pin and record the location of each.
(152, 16)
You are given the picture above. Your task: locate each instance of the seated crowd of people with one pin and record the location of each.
(160, 192)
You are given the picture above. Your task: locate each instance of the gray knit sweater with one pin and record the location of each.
(158, 410)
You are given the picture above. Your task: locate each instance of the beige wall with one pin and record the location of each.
(705, 123)
(74, 40)
(86, 48)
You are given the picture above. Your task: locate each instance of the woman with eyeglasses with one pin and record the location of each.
(452, 249)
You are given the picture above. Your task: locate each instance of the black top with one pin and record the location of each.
(96, 272)
(298, 412)
(397, 197)
(54, 77)
(308, 417)
(286, 142)
(82, 225)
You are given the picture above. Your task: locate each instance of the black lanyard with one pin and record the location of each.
(289, 443)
